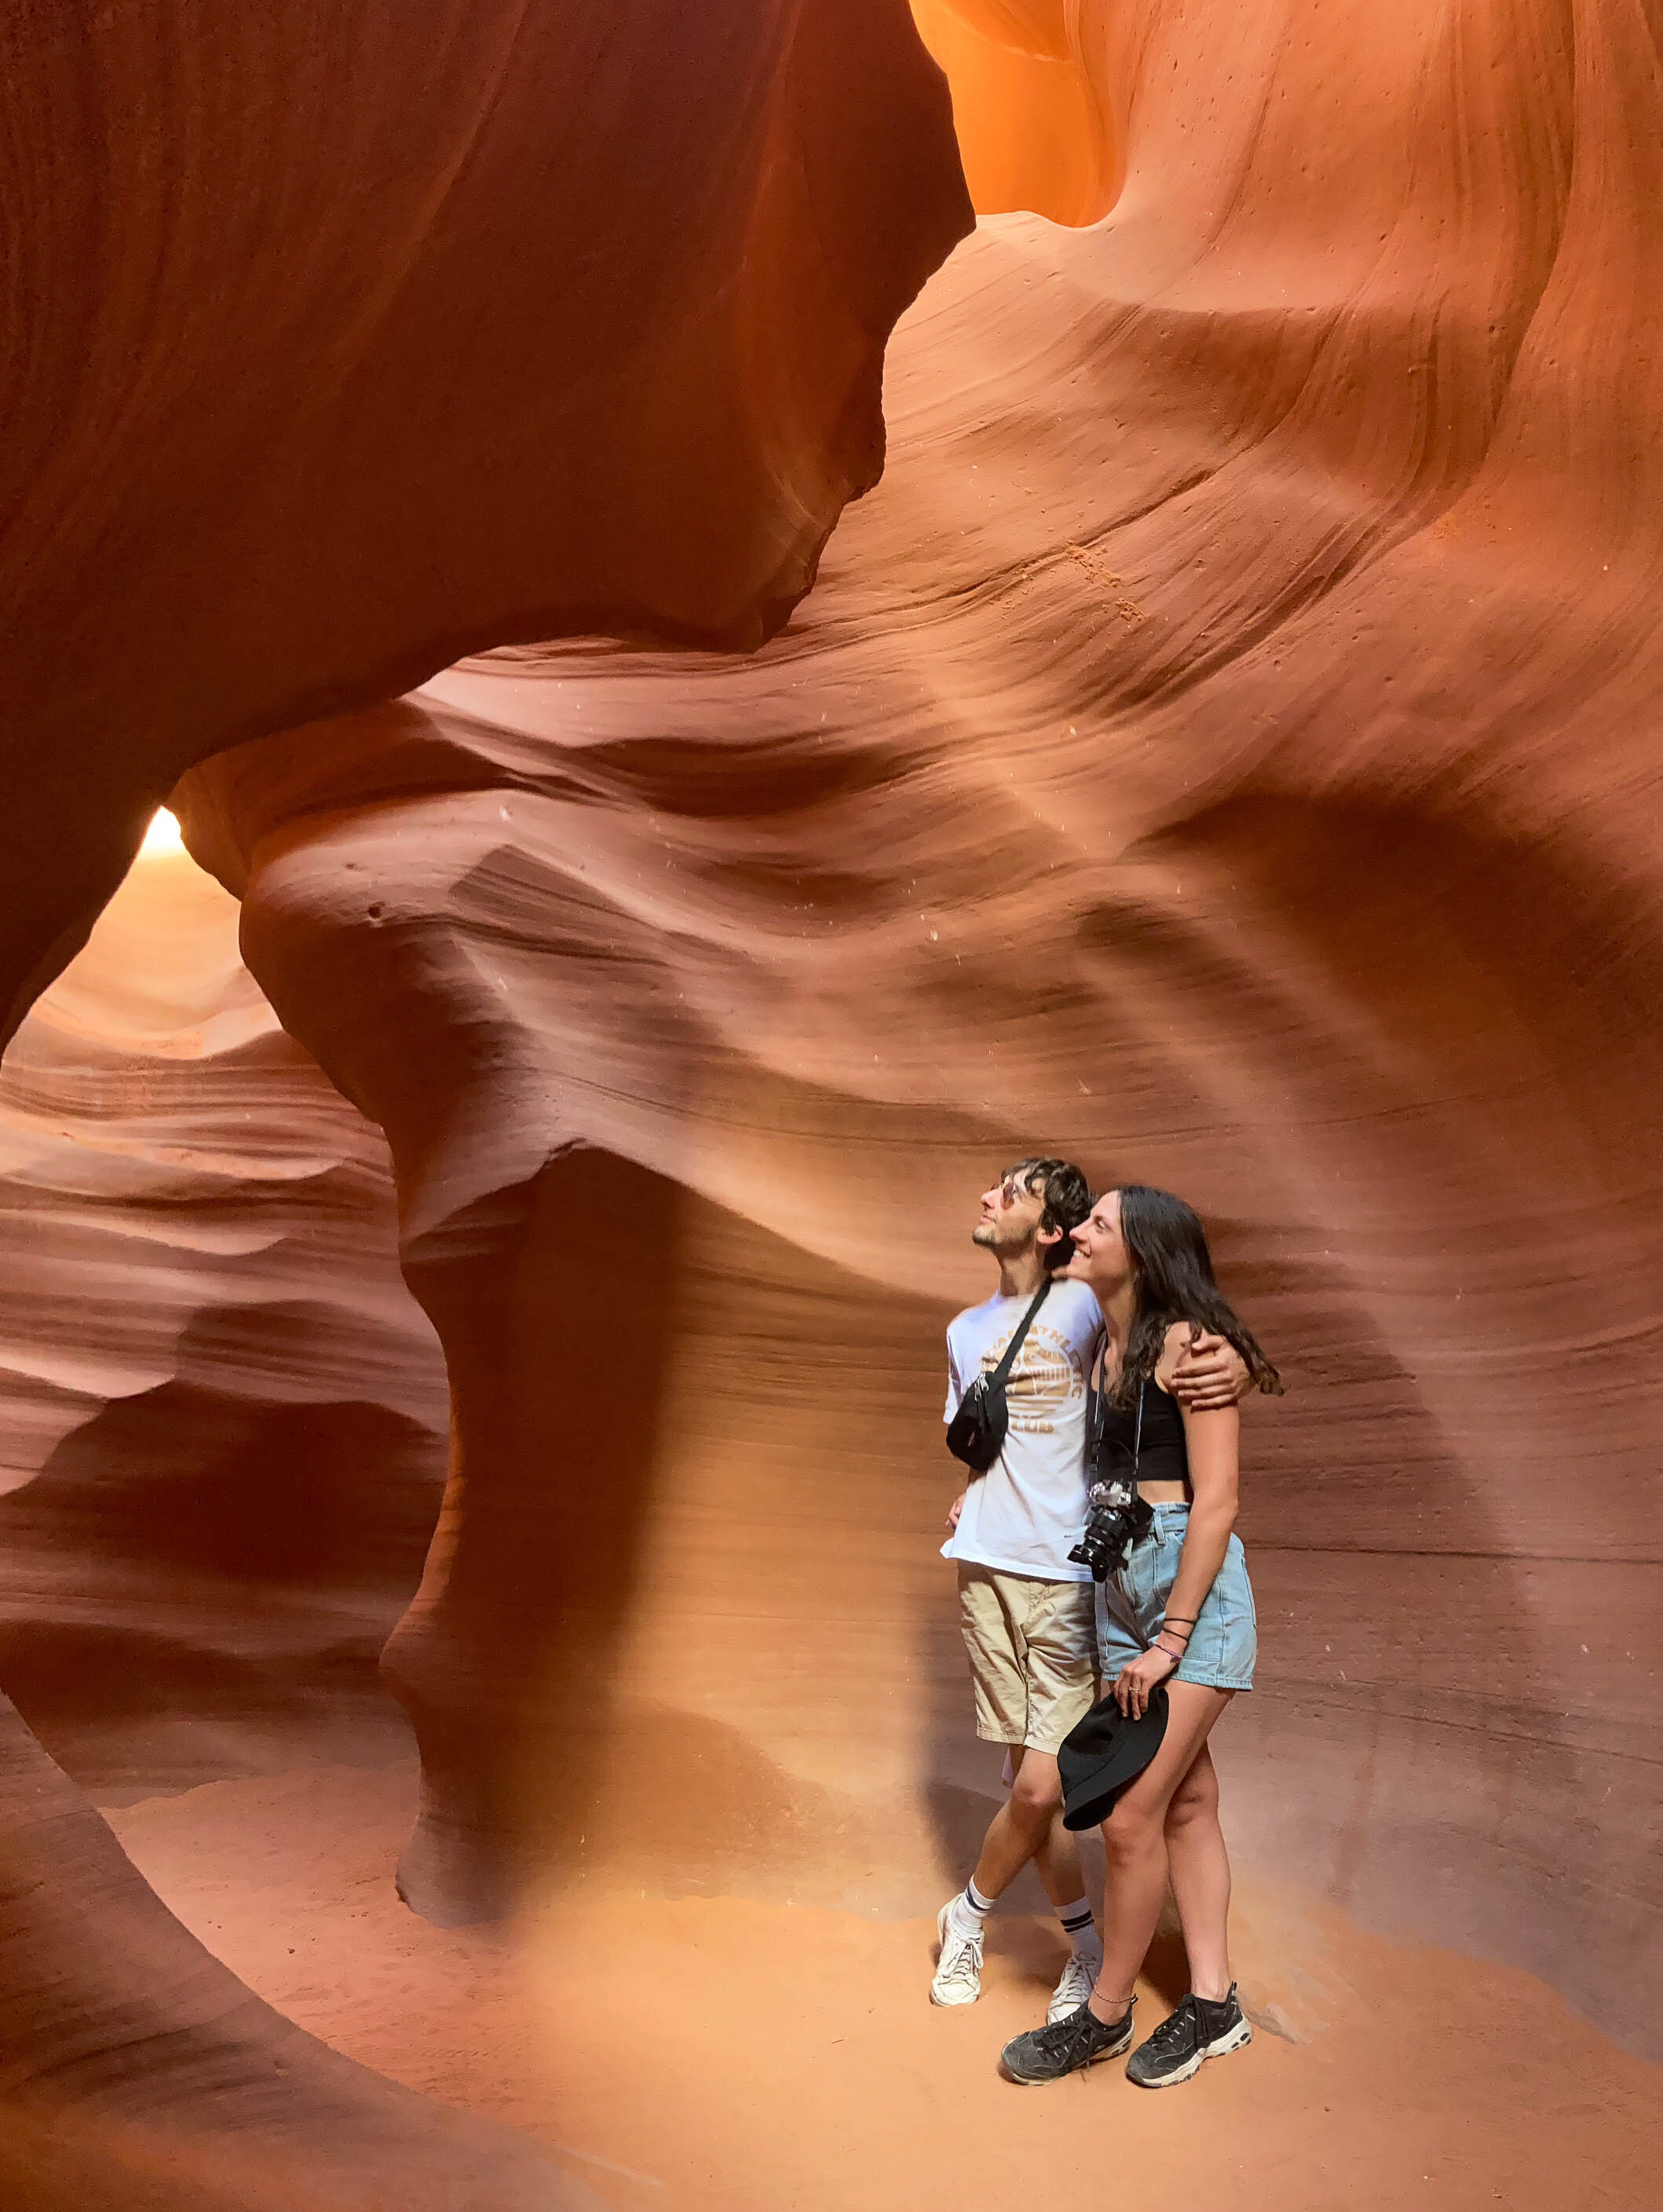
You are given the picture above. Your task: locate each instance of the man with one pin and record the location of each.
(1027, 1611)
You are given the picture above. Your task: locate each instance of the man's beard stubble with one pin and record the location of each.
(986, 1235)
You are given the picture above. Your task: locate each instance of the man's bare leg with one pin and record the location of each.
(1029, 1825)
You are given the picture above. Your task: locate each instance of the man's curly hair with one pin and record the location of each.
(1067, 1196)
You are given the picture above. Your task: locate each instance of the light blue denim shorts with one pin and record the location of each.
(1132, 1603)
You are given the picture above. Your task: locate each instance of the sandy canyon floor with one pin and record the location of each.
(715, 2054)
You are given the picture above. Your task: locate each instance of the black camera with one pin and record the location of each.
(1116, 1518)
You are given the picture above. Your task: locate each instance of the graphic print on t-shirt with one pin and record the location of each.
(1026, 1513)
(1047, 1373)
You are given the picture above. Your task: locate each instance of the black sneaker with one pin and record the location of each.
(1201, 2028)
(1064, 2047)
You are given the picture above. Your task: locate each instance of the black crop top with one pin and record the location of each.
(1162, 1456)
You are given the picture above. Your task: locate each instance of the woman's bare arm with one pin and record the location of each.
(1212, 1440)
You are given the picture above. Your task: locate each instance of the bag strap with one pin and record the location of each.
(1001, 1374)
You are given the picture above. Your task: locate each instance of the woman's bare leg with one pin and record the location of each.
(1199, 1870)
(1135, 1845)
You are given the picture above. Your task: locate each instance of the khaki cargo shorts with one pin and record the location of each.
(1033, 1649)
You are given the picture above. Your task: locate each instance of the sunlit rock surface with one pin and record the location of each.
(1224, 749)
(1035, 111)
(341, 337)
(223, 1419)
(337, 340)
(223, 1416)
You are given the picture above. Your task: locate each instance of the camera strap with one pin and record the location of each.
(1097, 1425)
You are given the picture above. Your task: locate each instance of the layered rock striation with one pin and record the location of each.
(338, 340)
(223, 1415)
(223, 1419)
(1224, 749)
(344, 338)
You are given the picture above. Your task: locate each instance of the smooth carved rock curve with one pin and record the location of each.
(341, 339)
(223, 1421)
(223, 1417)
(1222, 750)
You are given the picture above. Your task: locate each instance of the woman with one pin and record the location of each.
(1179, 1613)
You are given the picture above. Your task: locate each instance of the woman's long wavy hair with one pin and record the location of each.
(1173, 1280)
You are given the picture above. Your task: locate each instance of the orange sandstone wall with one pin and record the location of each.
(341, 337)
(1223, 748)
(223, 1416)
(221, 1410)
(1035, 127)
(335, 340)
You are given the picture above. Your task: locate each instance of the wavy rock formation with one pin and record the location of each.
(338, 339)
(223, 1414)
(311, 388)
(1222, 749)
(137, 2071)
(223, 1417)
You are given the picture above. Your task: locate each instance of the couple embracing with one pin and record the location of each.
(1128, 1365)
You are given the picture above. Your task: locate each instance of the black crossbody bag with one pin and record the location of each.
(976, 1432)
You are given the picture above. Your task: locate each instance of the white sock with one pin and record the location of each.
(969, 1911)
(1078, 1927)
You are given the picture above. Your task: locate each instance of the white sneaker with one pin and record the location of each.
(1075, 1987)
(958, 1970)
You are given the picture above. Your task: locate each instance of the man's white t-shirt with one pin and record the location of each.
(1026, 1514)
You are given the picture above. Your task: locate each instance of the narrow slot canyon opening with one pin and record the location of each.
(1036, 130)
